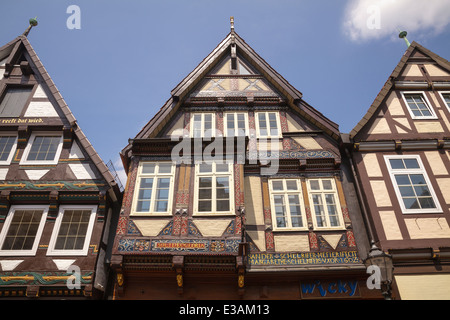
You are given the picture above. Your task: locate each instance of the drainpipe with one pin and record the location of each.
(361, 199)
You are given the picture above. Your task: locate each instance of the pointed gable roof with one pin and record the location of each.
(389, 85)
(11, 51)
(292, 96)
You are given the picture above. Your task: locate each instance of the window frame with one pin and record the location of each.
(214, 174)
(213, 125)
(420, 170)
(13, 149)
(286, 194)
(425, 100)
(7, 224)
(155, 176)
(235, 120)
(441, 94)
(24, 161)
(269, 135)
(51, 251)
(323, 192)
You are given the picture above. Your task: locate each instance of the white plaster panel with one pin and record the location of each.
(41, 109)
(82, 170)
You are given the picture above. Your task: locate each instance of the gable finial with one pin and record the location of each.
(33, 22)
(402, 35)
(232, 23)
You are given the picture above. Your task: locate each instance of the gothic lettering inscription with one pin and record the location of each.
(304, 258)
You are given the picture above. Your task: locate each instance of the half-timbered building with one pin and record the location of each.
(401, 154)
(57, 197)
(236, 189)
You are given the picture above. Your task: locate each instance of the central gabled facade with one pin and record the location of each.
(236, 189)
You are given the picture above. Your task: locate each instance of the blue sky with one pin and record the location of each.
(118, 69)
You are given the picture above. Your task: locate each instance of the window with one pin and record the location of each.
(288, 210)
(268, 124)
(325, 206)
(418, 105)
(8, 145)
(22, 230)
(202, 125)
(154, 188)
(236, 124)
(43, 148)
(446, 97)
(14, 101)
(214, 188)
(413, 189)
(72, 231)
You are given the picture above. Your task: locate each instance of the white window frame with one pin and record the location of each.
(155, 176)
(441, 94)
(7, 223)
(421, 171)
(51, 251)
(33, 136)
(213, 124)
(269, 135)
(322, 192)
(13, 149)
(225, 123)
(425, 99)
(214, 174)
(285, 194)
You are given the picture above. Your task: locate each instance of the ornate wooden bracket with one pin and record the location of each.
(178, 265)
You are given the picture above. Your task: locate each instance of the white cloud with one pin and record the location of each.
(375, 19)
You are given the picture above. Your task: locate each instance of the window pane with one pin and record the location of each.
(205, 194)
(262, 124)
(411, 203)
(280, 211)
(241, 124)
(318, 210)
(402, 179)
(14, 101)
(422, 191)
(417, 179)
(205, 182)
(222, 167)
(223, 205)
(148, 168)
(327, 185)
(6, 144)
(73, 229)
(204, 206)
(277, 185)
(407, 191)
(23, 229)
(197, 126)
(145, 195)
(44, 148)
(411, 164)
(273, 124)
(146, 182)
(397, 164)
(204, 167)
(161, 206)
(165, 168)
(222, 182)
(314, 184)
(294, 209)
(163, 183)
(291, 185)
(143, 206)
(427, 203)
